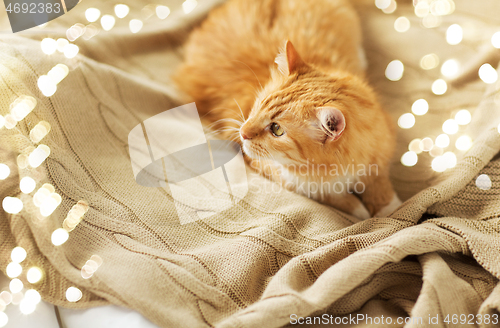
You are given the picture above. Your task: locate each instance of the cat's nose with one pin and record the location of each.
(244, 134)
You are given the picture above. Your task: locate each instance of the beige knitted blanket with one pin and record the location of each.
(270, 259)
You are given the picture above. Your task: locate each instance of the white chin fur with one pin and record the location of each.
(393, 205)
(361, 212)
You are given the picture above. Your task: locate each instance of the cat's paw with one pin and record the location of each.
(361, 212)
(388, 209)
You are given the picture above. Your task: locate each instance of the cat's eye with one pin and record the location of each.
(277, 130)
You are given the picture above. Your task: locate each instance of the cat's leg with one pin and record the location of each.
(390, 208)
(349, 204)
(379, 196)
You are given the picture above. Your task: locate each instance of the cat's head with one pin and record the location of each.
(306, 115)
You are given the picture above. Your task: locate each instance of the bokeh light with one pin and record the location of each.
(163, 11)
(406, 121)
(49, 46)
(70, 51)
(27, 185)
(46, 85)
(436, 151)
(92, 14)
(135, 25)
(39, 131)
(442, 141)
(4, 319)
(454, 34)
(38, 155)
(422, 9)
(391, 8)
(26, 307)
(4, 171)
(450, 126)
(32, 296)
(382, 4)
(483, 182)
(61, 44)
(16, 286)
(439, 87)
(189, 5)
(431, 21)
(12, 205)
(107, 22)
(463, 143)
(394, 70)
(121, 10)
(426, 144)
(402, 24)
(414, 146)
(450, 68)
(463, 117)
(488, 74)
(450, 159)
(420, 107)
(34, 275)
(18, 254)
(495, 40)
(73, 294)
(60, 71)
(13, 270)
(59, 237)
(409, 158)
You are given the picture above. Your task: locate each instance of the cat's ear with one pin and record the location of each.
(289, 60)
(331, 122)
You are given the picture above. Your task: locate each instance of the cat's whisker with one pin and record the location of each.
(241, 111)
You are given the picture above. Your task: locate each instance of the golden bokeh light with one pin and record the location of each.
(34, 275)
(394, 71)
(406, 121)
(402, 24)
(12, 205)
(463, 117)
(59, 237)
(439, 87)
(463, 143)
(488, 74)
(73, 294)
(162, 12)
(189, 5)
(135, 25)
(4, 171)
(92, 14)
(420, 107)
(454, 34)
(483, 182)
(450, 68)
(429, 61)
(121, 10)
(409, 158)
(450, 126)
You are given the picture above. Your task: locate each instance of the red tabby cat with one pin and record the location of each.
(309, 117)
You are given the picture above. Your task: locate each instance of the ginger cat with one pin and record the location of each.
(304, 115)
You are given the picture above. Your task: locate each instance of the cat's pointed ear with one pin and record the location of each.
(331, 122)
(289, 60)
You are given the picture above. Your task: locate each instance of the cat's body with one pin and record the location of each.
(311, 110)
